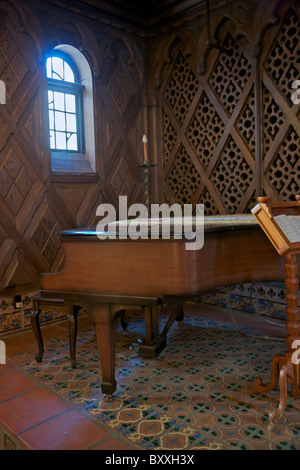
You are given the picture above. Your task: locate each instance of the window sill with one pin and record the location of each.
(71, 167)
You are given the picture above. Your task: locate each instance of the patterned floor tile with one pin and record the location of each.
(195, 395)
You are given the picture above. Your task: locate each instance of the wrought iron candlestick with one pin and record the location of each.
(147, 168)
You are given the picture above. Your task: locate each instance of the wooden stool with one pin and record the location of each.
(71, 310)
(41, 303)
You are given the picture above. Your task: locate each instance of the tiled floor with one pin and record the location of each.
(37, 416)
(50, 406)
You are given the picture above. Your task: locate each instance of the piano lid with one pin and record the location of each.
(211, 224)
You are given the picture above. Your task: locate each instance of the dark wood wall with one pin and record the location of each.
(221, 125)
(35, 204)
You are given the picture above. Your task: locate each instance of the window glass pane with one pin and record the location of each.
(72, 142)
(62, 106)
(52, 140)
(61, 141)
(50, 99)
(71, 122)
(49, 67)
(57, 68)
(70, 103)
(69, 75)
(60, 121)
(59, 101)
(51, 119)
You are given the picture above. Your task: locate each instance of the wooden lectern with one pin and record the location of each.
(281, 223)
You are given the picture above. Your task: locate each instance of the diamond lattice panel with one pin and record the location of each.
(12, 65)
(169, 136)
(283, 61)
(232, 176)
(205, 130)
(246, 123)
(230, 74)
(44, 236)
(122, 180)
(284, 171)
(181, 88)
(120, 88)
(183, 179)
(273, 118)
(15, 182)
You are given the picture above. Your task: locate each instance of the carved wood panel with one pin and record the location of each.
(211, 121)
(281, 67)
(35, 205)
(20, 166)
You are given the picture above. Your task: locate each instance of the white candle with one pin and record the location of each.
(145, 141)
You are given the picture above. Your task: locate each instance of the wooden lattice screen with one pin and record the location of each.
(211, 122)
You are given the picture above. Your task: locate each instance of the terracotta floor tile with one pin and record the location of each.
(30, 409)
(5, 368)
(69, 431)
(18, 340)
(113, 444)
(13, 383)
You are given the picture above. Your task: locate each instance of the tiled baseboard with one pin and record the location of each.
(13, 320)
(267, 299)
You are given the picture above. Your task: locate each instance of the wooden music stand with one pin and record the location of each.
(281, 223)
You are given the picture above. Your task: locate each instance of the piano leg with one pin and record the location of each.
(156, 341)
(103, 316)
(151, 347)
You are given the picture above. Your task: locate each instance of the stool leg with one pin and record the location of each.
(73, 334)
(124, 324)
(35, 323)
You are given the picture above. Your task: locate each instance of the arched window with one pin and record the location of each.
(65, 105)
(70, 110)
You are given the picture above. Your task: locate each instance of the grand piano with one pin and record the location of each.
(113, 275)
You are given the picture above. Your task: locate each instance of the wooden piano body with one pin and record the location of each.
(111, 275)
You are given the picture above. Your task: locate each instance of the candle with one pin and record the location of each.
(145, 141)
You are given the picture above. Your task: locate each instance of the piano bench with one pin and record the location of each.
(41, 303)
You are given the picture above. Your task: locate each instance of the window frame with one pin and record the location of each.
(72, 88)
(65, 165)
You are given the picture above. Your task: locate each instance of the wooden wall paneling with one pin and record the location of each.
(34, 203)
(121, 91)
(44, 247)
(198, 105)
(76, 202)
(7, 250)
(204, 123)
(280, 67)
(21, 153)
(214, 144)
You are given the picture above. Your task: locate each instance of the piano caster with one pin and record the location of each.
(152, 350)
(108, 398)
(135, 345)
